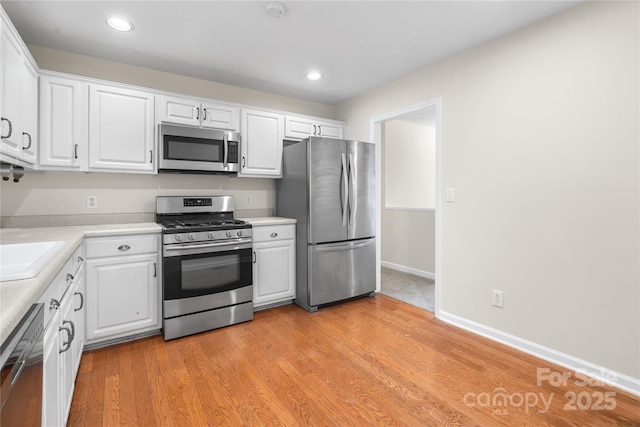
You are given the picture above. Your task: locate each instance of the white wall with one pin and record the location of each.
(409, 174)
(408, 170)
(61, 193)
(540, 135)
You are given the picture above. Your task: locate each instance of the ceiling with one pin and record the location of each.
(356, 45)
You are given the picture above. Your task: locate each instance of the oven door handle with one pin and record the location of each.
(217, 247)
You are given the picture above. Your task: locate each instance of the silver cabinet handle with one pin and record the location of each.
(243, 162)
(70, 277)
(274, 234)
(54, 304)
(204, 114)
(65, 345)
(80, 259)
(255, 257)
(319, 130)
(81, 301)
(29, 136)
(71, 333)
(155, 269)
(197, 113)
(4, 119)
(150, 156)
(124, 248)
(75, 151)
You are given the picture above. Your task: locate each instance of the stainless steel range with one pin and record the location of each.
(207, 264)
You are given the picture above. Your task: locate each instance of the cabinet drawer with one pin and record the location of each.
(119, 246)
(274, 232)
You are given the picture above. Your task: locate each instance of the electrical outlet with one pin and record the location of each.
(92, 202)
(497, 298)
(247, 200)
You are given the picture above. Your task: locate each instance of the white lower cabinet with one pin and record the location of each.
(123, 293)
(274, 262)
(63, 340)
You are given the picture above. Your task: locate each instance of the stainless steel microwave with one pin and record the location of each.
(185, 149)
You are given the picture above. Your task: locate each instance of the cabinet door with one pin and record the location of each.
(184, 111)
(29, 111)
(11, 63)
(122, 296)
(302, 127)
(68, 334)
(274, 272)
(64, 120)
(329, 130)
(298, 127)
(220, 116)
(78, 305)
(121, 129)
(51, 398)
(262, 135)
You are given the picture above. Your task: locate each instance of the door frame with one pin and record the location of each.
(375, 136)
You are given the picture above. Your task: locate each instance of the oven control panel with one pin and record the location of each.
(200, 201)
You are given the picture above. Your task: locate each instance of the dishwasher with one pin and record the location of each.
(22, 368)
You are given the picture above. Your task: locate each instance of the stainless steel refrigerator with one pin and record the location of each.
(328, 185)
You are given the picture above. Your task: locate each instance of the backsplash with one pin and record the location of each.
(30, 221)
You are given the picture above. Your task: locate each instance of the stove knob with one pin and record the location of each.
(211, 235)
(191, 236)
(229, 234)
(178, 237)
(240, 233)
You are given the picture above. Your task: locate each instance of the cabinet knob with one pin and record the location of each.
(274, 234)
(124, 248)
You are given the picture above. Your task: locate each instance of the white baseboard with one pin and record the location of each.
(624, 382)
(414, 271)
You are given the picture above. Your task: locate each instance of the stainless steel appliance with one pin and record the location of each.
(328, 186)
(22, 371)
(185, 149)
(206, 264)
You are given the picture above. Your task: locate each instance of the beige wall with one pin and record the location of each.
(61, 193)
(540, 135)
(407, 235)
(65, 62)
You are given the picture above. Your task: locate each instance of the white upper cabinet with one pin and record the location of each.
(18, 97)
(64, 123)
(298, 127)
(262, 133)
(194, 112)
(121, 129)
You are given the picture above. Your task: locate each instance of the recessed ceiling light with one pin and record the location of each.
(119, 24)
(314, 75)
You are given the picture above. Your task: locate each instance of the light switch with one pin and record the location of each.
(450, 195)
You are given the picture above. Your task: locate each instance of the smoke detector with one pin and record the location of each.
(275, 9)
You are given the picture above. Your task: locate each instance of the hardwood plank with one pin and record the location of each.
(373, 361)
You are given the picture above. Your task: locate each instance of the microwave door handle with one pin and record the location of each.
(225, 150)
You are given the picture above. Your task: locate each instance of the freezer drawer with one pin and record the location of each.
(341, 270)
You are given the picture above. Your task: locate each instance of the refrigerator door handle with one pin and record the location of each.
(352, 194)
(345, 191)
(343, 246)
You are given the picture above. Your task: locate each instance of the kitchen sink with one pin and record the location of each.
(25, 260)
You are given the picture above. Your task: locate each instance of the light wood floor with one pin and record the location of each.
(370, 362)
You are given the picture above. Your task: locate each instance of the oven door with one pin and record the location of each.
(193, 270)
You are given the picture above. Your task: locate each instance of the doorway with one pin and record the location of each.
(408, 200)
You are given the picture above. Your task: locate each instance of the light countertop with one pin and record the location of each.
(16, 296)
(269, 220)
